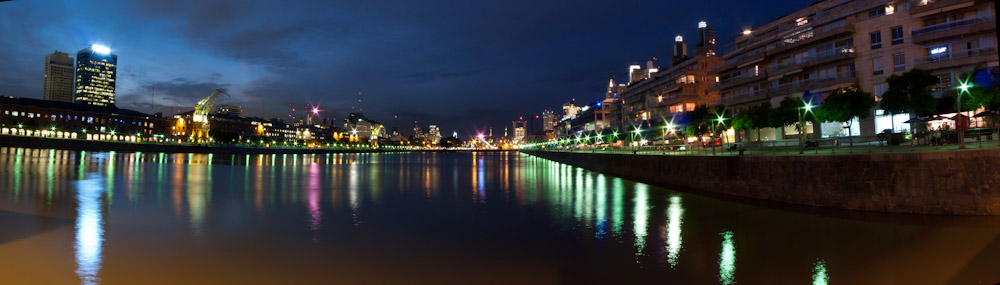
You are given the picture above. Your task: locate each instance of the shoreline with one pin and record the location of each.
(937, 183)
(85, 145)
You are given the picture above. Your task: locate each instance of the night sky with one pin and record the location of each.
(460, 64)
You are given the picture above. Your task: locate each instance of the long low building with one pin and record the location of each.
(42, 118)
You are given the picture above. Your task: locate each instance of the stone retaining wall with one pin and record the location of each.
(951, 182)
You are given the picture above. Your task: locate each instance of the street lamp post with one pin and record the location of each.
(802, 125)
(958, 118)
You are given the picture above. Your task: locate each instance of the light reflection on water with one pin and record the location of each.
(433, 208)
(89, 229)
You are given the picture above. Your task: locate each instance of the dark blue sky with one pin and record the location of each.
(460, 64)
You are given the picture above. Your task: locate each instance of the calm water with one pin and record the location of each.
(437, 218)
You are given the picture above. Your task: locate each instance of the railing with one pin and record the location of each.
(738, 78)
(951, 25)
(815, 33)
(753, 53)
(955, 55)
(884, 143)
(808, 83)
(739, 97)
(821, 55)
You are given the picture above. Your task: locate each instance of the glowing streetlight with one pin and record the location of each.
(807, 105)
(964, 88)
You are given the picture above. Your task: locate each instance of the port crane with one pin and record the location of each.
(200, 119)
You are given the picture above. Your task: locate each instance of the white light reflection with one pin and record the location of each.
(89, 229)
(641, 215)
(727, 259)
(675, 212)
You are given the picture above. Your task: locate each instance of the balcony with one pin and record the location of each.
(818, 34)
(819, 58)
(745, 98)
(737, 61)
(812, 84)
(961, 58)
(735, 81)
(954, 29)
(937, 6)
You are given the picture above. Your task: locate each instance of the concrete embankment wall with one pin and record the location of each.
(951, 183)
(45, 143)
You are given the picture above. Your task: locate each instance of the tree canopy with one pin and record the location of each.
(909, 93)
(844, 104)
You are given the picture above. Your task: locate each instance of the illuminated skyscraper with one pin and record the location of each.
(706, 40)
(680, 50)
(96, 68)
(58, 83)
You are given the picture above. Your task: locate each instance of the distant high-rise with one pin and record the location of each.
(706, 40)
(549, 120)
(58, 83)
(680, 50)
(433, 134)
(96, 69)
(520, 130)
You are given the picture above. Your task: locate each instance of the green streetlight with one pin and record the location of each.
(808, 107)
(964, 88)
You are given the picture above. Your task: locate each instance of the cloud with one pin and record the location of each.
(461, 64)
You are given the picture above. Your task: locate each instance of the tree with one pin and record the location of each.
(985, 92)
(787, 113)
(753, 118)
(742, 122)
(909, 93)
(695, 121)
(845, 104)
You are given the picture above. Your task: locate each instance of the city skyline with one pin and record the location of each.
(186, 54)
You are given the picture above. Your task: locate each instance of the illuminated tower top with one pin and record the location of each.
(96, 70)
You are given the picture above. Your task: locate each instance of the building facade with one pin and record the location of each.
(58, 81)
(667, 94)
(833, 44)
(33, 117)
(96, 70)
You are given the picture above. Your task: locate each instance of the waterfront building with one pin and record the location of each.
(668, 93)
(56, 119)
(520, 129)
(363, 128)
(611, 106)
(230, 110)
(96, 70)
(58, 81)
(706, 40)
(549, 120)
(225, 127)
(433, 134)
(833, 44)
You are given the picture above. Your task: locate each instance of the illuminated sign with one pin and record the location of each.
(939, 50)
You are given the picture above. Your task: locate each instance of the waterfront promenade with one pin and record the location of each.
(922, 181)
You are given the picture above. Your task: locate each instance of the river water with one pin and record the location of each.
(71, 217)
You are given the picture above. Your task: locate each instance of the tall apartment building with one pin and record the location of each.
(836, 43)
(58, 82)
(654, 101)
(549, 120)
(96, 69)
